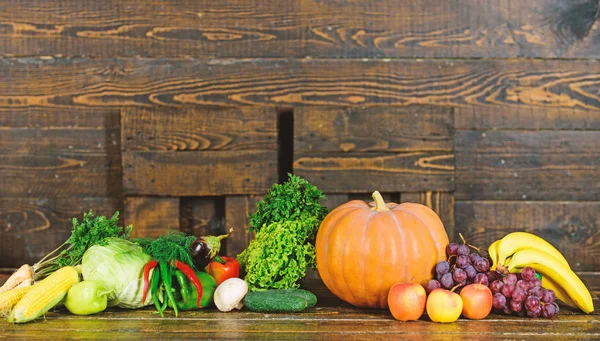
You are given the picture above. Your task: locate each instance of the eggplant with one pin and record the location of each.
(206, 248)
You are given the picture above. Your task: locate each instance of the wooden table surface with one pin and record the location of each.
(330, 319)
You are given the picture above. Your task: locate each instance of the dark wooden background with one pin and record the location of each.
(182, 114)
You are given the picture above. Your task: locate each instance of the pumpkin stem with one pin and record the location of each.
(380, 205)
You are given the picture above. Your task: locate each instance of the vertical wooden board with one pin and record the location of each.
(528, 165)
(441, 202)
(373, 129)
(199, 128)
(199, 173)
(572, 227)
(237, 210)
(202, 216)
(32, 227)
(152, 216)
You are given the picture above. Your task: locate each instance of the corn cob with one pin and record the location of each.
(10, 298)
(44, 295)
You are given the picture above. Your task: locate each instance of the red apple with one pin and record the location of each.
(444, 305)
(407, 301)
(477, 301)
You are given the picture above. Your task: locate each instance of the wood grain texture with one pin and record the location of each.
(441, 202)
(202, 216)
(572, 227)
(534, 85)
(415, 128)
(350, 29)
(332, 201)
(199, 173)
(61, 175)
(237, 210)
(51, 130)
(152, 216)
(516, 165)
(32, 227)
(367, 172)
(199, 128)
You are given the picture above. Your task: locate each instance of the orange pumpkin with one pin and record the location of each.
(362, 249)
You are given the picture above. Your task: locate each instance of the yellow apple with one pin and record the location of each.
(444, 305)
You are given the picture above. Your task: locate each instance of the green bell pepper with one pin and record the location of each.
(186, 295)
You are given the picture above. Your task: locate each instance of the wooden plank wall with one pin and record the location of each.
(181, 114)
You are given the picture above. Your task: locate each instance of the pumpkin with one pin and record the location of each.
(362, 249)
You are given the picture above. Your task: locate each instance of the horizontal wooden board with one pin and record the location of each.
(199, 128)
(367, 172)
(62, 175)
(516, 165)
(332, 201)
(32, 227)
(572, 227)
(152, 216)
(441, 202)
(237, 211)
(535, 85)
(52, 130)
(503, 117)
(205, 173)
(202, 216)
(375, 129)
(269, 28)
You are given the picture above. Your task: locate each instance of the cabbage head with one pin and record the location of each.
(119, 265)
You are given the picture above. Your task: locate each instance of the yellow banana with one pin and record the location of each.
(548, 283)
(493, 252)
(550, 267)
(515, 241)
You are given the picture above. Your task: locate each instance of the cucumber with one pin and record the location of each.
(267, 301)
(310, 298)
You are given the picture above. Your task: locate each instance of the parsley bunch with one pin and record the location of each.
(91, 231)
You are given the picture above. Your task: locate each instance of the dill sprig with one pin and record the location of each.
(171, 246)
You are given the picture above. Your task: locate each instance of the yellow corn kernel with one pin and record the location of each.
(10, 298)
(44, 295)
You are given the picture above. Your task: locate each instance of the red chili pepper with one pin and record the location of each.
(223, 268)
(191, 276)
(149, 266)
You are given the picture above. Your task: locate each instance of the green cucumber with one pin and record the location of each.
(310, 298)
(267, 301)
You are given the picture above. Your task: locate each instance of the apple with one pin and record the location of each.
(477, 301)
(407, 301)
(444, 305)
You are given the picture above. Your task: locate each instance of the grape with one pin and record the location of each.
(519, 295)
(442, 267)
(535, 312)
(528, 273)
(459, 276)
(474, 257)
(463, 261)
(432, 285)
(447, 281)
(507, 290)
(496, 286)
(549, 310)
(452, 249)
(507, 309)
(499, 301)
(548, 296)
(438, 276)
(535, 283)
(481, 279)
(463, 250)
(523, 285)
(510, 279)
(515, 306)
(471, 272)
(491, 275)
(532, 303)
(482, 265)
(536, 291)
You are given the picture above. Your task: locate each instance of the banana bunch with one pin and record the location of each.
(521, 249)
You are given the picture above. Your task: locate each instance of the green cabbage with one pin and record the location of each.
(119, 265)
